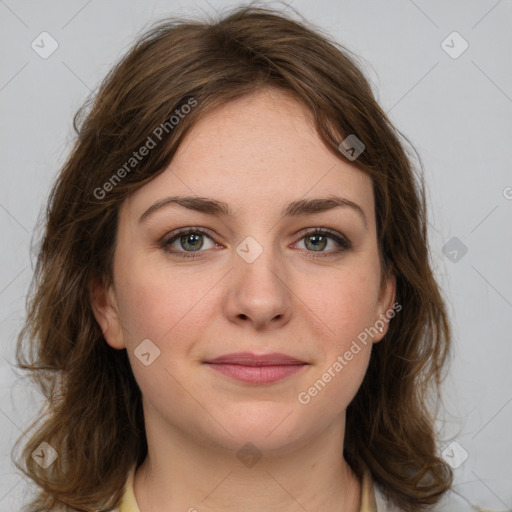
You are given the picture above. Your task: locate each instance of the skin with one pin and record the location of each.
(257, 154)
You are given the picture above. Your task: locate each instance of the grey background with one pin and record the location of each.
(455, 111)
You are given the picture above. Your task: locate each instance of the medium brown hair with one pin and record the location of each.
(93, 415)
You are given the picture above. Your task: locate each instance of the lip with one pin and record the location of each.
(250, 359)
(256, 369)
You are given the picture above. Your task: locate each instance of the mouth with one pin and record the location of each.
(256, 369)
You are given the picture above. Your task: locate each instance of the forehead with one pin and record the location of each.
(259, 151)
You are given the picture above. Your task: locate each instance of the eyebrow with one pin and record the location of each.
(294, 209)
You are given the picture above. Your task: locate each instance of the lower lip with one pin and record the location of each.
(257, 374)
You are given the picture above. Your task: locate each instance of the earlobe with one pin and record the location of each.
(104, 307)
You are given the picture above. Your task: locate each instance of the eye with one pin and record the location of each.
(318, 239)
(188, 240)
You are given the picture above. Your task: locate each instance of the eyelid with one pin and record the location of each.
(183, 231)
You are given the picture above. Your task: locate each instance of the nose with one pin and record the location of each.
(257, 292)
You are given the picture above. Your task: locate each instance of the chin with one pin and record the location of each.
(271, 430)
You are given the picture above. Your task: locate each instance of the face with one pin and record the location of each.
(259, 276)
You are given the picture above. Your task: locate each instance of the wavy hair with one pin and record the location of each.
(92, 415)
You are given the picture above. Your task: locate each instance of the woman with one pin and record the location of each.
(233, 307)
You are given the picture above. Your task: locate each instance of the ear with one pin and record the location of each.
(104, 307)
(385, 305)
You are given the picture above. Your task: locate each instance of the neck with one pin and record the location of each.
(182, 473)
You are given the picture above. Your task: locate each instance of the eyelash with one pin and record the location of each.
(343, 242)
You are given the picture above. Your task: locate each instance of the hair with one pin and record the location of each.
(92, 414)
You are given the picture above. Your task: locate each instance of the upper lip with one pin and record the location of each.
(249, 359)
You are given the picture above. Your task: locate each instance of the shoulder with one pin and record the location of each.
(382, 504)
(449, 503)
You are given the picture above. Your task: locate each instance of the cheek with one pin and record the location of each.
(170, 313)
(346, 303)
(345, 349)
(329, 394)
(154, 304)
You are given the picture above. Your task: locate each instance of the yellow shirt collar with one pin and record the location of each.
(368, 504)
